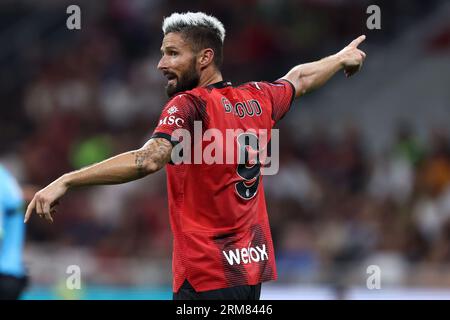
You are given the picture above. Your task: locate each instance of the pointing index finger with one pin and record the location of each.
(358, 41)
(29, 210)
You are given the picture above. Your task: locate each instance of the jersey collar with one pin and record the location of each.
(219, 85)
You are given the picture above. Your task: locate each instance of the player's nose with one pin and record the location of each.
(162, 64)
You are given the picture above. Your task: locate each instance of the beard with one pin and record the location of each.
(187, 81)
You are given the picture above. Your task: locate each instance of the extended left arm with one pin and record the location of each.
(309, 76)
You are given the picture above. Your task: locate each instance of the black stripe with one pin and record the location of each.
(294, 92)
(165, 136)
(223, 236)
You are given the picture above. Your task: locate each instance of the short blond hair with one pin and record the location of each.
(201, 30)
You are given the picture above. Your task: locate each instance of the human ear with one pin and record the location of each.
(206, 57)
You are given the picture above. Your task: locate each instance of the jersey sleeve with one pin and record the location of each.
(11, 202)
(11, 194)
(179, 113)
(282, 94)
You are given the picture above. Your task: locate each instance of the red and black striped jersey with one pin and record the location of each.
(217, 207)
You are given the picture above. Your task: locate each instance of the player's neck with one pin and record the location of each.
(210, 77)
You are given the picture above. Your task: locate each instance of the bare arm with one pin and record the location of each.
(309, 76)
(122, 168)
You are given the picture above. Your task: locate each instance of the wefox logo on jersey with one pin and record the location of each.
(246, 255)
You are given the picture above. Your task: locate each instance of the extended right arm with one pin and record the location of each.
(122, 168)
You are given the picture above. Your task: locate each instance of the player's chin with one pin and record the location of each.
(171, 89)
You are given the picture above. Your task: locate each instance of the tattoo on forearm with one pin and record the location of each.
(157, 152)
(140, 159)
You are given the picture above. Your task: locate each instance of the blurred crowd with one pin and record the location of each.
(333, 206)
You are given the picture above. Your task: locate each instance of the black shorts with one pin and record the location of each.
(11, 287)
(246, 292)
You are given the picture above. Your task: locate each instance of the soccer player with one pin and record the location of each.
(13, 279)
(222, 246)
